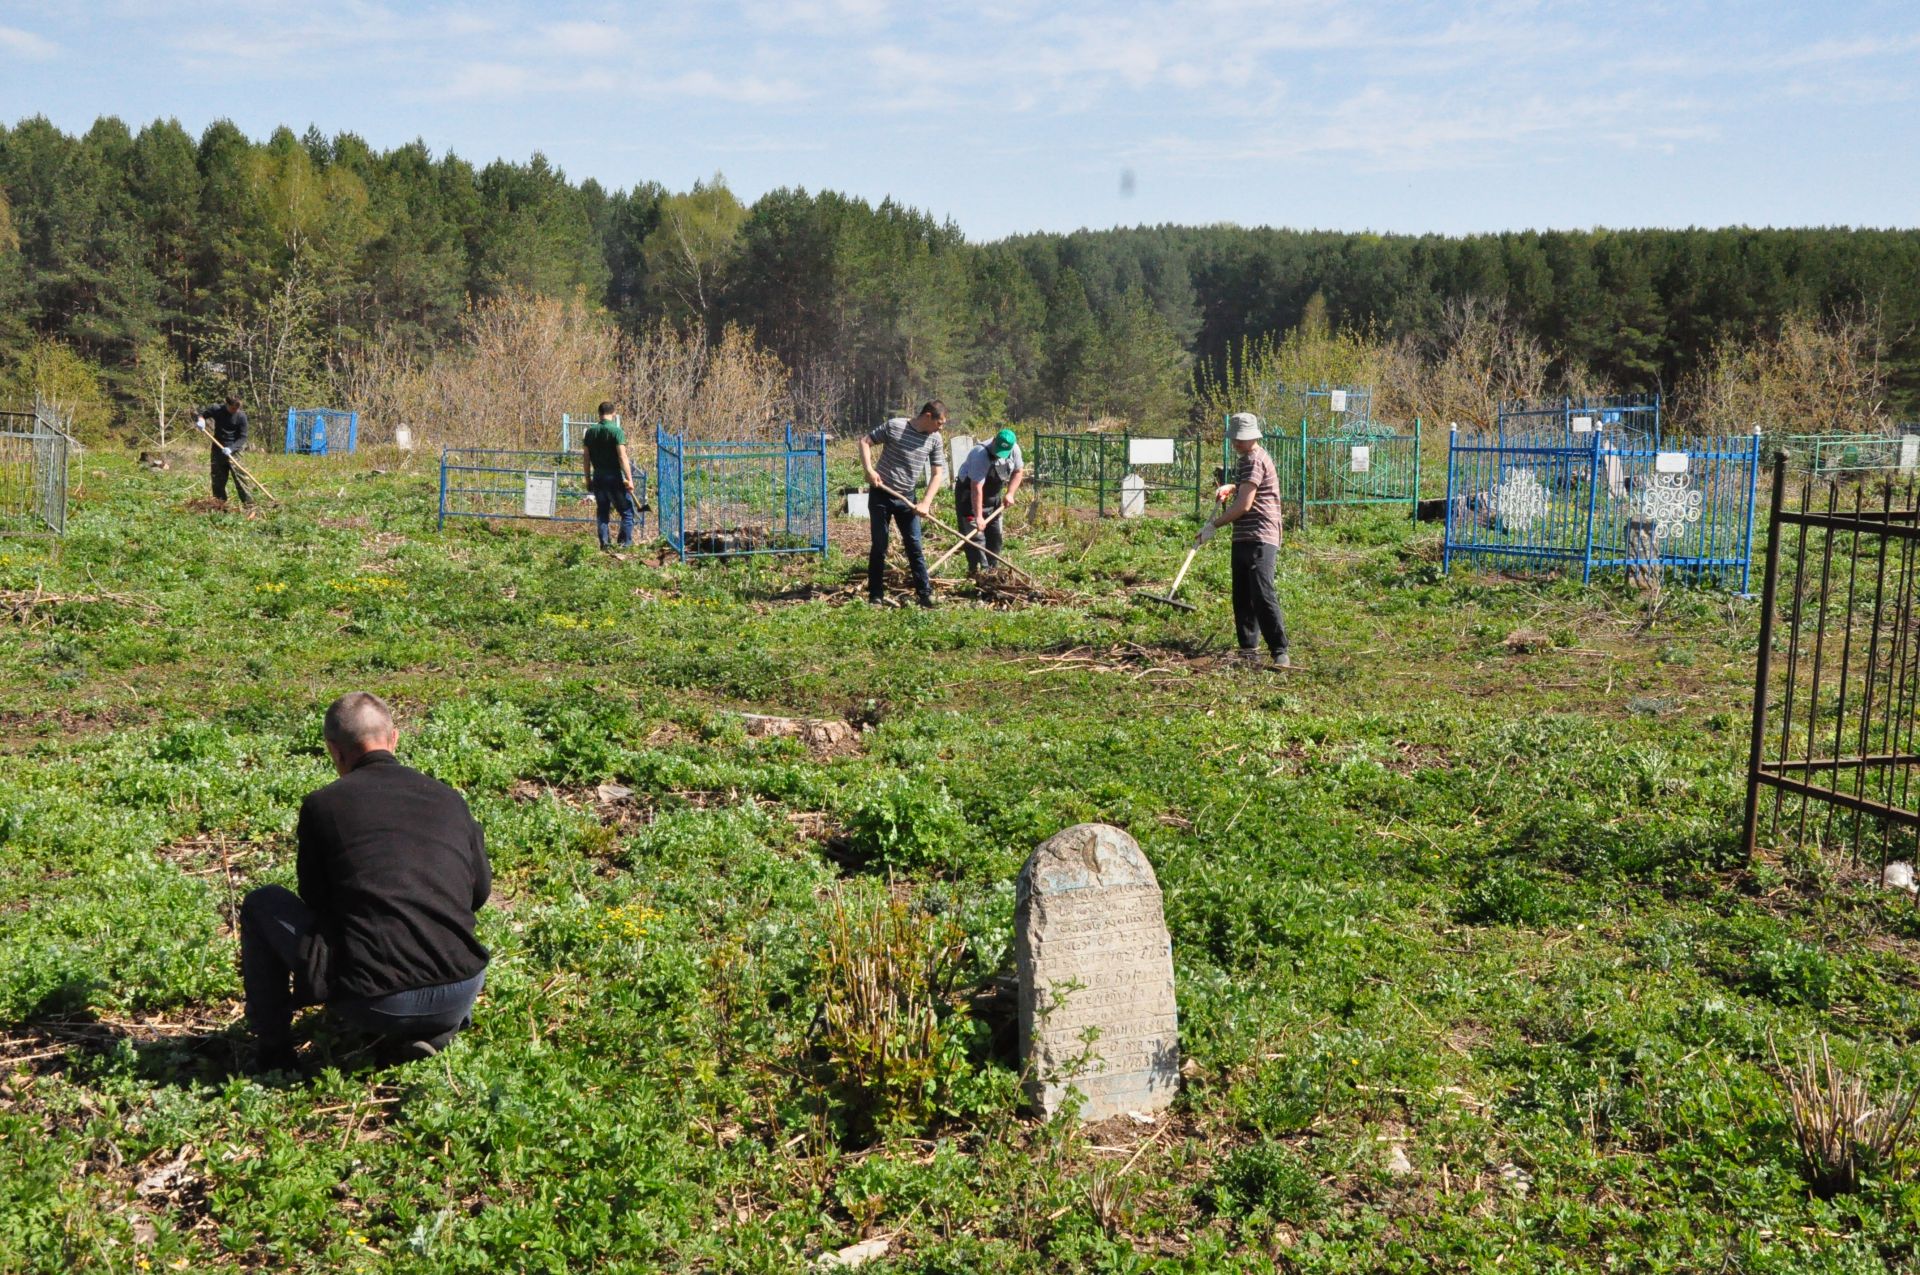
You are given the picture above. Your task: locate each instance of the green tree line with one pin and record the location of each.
(154, 255)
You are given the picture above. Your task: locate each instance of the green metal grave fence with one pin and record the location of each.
(1107, 471)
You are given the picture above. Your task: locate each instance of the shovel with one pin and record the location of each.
(1167, 598)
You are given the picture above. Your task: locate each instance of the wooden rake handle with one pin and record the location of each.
(987, 522)
(199, 424)
(955, 532)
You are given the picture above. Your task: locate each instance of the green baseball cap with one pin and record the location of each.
(1002, 443)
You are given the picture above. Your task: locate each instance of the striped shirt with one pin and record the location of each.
(908, 455)
(1261, 523)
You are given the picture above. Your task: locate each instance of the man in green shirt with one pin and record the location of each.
(603, 450)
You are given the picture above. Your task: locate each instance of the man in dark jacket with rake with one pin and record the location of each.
(392, 868)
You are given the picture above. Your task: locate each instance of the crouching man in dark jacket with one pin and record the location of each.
(392, 868)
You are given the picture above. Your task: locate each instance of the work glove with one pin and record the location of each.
(1207, 533)
(1225, 492)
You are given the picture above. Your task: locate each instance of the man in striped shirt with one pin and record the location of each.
(911, 450)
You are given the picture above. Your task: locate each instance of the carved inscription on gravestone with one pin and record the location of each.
(1097, 1010)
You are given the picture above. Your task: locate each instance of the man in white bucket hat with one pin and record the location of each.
(1253, 507)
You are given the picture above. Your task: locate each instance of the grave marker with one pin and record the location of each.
(1094, 959)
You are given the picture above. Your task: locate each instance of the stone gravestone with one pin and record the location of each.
(1095, 959)
(1133, 496)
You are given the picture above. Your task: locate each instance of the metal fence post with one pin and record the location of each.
(1415, 500)
(1593, 499)
(353, 431)
(1753, 492)
(1446, 542)
(442, 524)
(1100, 481)
(290, 428)
(1303, 473)
(1763, 664)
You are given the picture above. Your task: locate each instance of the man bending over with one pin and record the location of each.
(392, 868)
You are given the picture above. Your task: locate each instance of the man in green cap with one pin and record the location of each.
(986, 482)
(603, 450)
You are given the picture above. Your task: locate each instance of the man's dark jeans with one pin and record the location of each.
(1256, 608)
(885, 511)
(223, 470)
(283, 963)
(610, 494)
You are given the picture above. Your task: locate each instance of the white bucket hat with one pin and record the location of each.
(1243, 427)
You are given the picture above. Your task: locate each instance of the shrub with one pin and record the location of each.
(1266, 1180)
(1504, 895)
(1843, 1131)
(903, 822)
(891, 1046)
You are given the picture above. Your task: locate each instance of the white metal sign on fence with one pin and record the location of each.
(539, 497)
(1150, 451)
(1583, 424)
(1669, 462)
(1909, 452)
(1360, 460)
(1337, 401)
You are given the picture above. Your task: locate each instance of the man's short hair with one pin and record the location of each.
(357, 719)
(606, 409)
(233, 401)
(934, 408)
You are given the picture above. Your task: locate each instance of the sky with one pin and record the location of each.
(1025, 115)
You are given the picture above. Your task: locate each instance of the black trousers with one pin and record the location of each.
(283, 964)
(223, 470)
(886, 511)
(994, 536)
(1256, 608)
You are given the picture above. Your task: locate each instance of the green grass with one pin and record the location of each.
(1482, 904)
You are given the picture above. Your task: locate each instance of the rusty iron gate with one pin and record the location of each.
(1837, 676)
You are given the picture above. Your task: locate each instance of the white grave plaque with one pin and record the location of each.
(1337, 401)
(1133, 496)
(1909, 452)
(540, 493)
(857, 505)
(403, 438)
(1150, 451)
(1360, 459)
(1669, 462)
(1583, 424)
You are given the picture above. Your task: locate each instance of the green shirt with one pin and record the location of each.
(603, 442)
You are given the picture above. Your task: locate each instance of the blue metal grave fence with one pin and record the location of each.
(531, 486)
(1093, 468)
(1604, 504)
(731, 498)
(318, 431)
(1566, 421)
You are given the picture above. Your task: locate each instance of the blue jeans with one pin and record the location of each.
(885, 511)
(610, 494)
(283, 966)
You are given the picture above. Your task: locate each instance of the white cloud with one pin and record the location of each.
(25, 44)
(486, 80)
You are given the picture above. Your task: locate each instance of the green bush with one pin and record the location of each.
(906, 822)
(1266, 1180)
(1505, 895)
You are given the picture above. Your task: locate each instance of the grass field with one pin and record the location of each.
(1471, 973)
